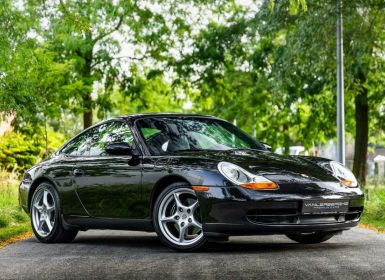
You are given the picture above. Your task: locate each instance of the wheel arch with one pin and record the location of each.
(35, 184)
(161, 184)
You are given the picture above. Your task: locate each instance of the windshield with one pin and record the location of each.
(165, 135)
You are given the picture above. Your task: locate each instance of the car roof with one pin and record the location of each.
(135, 117)
(176, 115)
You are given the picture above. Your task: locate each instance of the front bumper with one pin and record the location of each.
(238, 211)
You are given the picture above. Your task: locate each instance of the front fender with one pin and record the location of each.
(60, 176)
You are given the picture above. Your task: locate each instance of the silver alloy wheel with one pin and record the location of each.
(179, 218)
(43, 212)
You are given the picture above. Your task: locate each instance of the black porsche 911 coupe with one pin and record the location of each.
(190, 178)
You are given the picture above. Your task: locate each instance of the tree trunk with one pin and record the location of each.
(286, 140)
(362, 135)
(87, 114)
(87, 79)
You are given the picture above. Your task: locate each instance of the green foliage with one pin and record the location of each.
(294, 6)
(146, 92)
(305, 64)
(374, 213)
(90, 38)
(12, 219)
(16, 61)
(237, 73)
(278, 65)
(19, 150)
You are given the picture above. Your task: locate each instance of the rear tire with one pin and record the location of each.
(310, 238)
(177, 218)
(45, 216)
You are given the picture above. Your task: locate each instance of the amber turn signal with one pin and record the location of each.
(347, 183)
(260, 185)
(200, 188)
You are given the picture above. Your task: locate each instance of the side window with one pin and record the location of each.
(93, 142)
(109, 133)
(79, 146)
(149, 132)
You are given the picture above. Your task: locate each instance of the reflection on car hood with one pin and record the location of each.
(280, 168)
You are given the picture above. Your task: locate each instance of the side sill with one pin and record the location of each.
(85, 223)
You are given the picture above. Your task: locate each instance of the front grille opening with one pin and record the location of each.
(273, 219)
(352, 217)
(356, 209)
(354, 213)
(273, 216)
(273, 212)
(292, 216)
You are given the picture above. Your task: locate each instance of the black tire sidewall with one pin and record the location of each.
(163, 239)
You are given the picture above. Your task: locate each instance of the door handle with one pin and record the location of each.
(78, 172)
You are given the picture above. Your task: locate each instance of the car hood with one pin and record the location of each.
(279, 168)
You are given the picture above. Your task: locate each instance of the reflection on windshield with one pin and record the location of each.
(165, 135)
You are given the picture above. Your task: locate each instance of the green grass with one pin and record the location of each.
(13, 221)
(374, 212)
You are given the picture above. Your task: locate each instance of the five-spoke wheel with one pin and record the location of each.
(177, 218)
(46, 217)
(43, 211)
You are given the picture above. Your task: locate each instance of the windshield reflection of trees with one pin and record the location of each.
(182, 134)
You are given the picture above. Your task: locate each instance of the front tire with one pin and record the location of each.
(177, 218)
(45, 216)
(310, 238)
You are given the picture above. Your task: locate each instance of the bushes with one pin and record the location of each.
(374, 213)
(12, 219)
(19, 151)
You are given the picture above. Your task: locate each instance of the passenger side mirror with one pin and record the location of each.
(119, 149)
(266, 146)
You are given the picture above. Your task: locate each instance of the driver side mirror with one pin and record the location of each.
(119, 149)
(266, 146)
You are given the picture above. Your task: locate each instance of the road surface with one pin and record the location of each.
(357, 254)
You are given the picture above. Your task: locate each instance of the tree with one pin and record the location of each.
(233, 65)
(364, 48)
(139, 93)
(289, 55)
(80, 33)
(100, 39)
(70, 56)
(15, 56)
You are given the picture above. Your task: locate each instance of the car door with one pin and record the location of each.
(108, 185)
(61, 168)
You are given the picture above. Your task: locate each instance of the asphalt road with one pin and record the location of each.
(357, 254)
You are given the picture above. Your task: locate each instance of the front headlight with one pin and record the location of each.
(243, 178)
(343, 174)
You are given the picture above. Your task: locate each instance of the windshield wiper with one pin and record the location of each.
(195, 150)
(244, 149)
